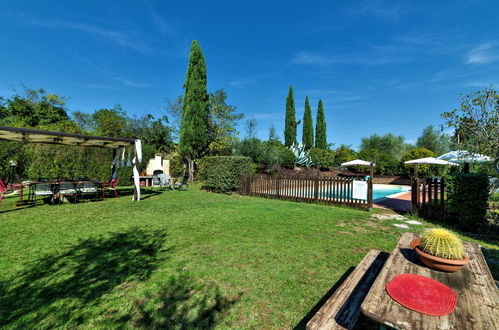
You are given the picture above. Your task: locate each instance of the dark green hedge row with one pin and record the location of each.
(221, 173)
(467, 195)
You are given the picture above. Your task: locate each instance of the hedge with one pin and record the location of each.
(322, 158)
(221, 173)
(467, 195)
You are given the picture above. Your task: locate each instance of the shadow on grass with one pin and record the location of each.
(60, 289)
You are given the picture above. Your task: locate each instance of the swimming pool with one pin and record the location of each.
(381, 191)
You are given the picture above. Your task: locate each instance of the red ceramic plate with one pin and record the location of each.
(422, 294)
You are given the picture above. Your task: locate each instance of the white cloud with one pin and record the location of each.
(484, 53)
(305, 57)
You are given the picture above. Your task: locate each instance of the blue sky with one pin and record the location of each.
(378, 66)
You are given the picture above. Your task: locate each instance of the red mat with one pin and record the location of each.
(422, 294)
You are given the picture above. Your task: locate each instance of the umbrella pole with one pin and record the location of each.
(371, 170)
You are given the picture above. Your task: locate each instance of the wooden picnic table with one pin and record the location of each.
(478, 297)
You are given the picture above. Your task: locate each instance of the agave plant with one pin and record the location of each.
(302, 156)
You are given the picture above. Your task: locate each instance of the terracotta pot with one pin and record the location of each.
(441, 264)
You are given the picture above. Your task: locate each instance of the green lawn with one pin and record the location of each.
(184, 258)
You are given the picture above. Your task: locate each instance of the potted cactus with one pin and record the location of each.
(441, 250)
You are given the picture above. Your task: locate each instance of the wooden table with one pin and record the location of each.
(147, 179)
(478, 298)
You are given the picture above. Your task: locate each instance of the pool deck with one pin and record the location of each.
(398, 202)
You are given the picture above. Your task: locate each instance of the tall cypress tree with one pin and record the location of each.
(194, 128)
(320, 128)
(290, 125)
(308, 127)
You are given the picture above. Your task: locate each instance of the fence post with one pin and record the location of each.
(415, 195)
(442, 196)
(370, 193)
(316, 187)
(278, 186)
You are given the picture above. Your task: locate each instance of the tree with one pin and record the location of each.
(250, 127)
(393, 145)
(433, 140)
(320, 128)
(308, 128)
(291, 123)
(417, 153)
(194, 127)
(174, 110)
(344, 154)
(110, 122)
(222, 119)
(477, 119)
(272, 134)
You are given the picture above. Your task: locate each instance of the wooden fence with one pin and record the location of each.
(327, 190)
(428, 197)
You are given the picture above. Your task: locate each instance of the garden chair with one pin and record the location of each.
(182, 182)
(41, 189)
(110, 185)
(156, 182)
(67, 189)
(166, 181)
(89, 188)
(3, 189)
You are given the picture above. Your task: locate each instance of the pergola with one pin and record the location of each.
(29, 135)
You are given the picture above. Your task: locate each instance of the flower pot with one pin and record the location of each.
(441, 264)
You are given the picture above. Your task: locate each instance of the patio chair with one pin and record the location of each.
(156, 182)
(110, 185)
(68, 189)
(88, 188)
(41, 189)
(3, 189)
(165, 181)
(183, 183)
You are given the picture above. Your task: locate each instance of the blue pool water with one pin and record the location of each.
(380, 191)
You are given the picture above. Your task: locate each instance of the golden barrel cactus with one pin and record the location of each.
(442, 243)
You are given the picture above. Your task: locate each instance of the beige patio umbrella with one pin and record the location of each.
(428, 160)
(361, 163)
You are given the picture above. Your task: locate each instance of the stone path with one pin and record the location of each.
(389, 216)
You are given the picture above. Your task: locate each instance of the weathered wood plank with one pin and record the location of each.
(342, 309)
(478, 298)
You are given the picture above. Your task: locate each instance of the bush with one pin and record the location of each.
(385, 163)
(177, 166)
(221, 173)
(467, 195)
(288, 158)
(323, 159)
(424, 170)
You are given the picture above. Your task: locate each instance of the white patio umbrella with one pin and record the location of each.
(428, 160)
(361, 163)
(463, 156)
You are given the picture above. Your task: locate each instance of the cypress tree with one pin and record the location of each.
(320, 128)
(290, 124)
(194, 128)
(308, 128)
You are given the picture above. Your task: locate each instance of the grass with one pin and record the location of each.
(179, 259)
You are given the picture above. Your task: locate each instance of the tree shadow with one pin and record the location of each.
(59, 289)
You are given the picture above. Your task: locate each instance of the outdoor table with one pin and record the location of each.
(477, 303)
(147, 179)
(18, 186)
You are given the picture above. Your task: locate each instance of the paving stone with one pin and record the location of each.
(401, 225)
(413, 222)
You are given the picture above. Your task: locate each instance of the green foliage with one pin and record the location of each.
(442, 243)
(250, 147)
(222, 119)
(194, 127)
(344, 154)
(308, 127)
(476, 123)
(291, 123)
(271, 153)
(287, 158)
(320, 128)
(323, 159)
(390, 144)
(433, 140)
(177, 166)
(385, 163)
(467, 195)
(424, 170)
(221, 173)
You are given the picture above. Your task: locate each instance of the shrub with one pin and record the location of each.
(323, 159)
(177, 166)
(385, 163)
(343, 154)
(288, 158)
(416, 153)
(221, 173)
(467, 195)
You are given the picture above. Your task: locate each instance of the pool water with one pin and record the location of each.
(381, 191)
